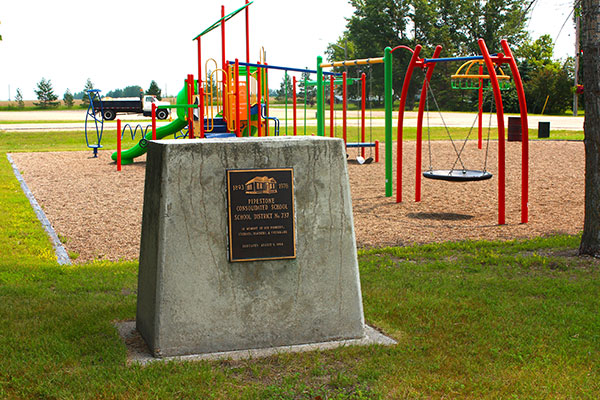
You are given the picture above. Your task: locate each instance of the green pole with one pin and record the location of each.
(389, 102)
(285, 84)
(248, 127)
(320, 124)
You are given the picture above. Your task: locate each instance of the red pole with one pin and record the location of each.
(524, 133)
(190, 86)
(419, 144)
(344, 104)
(268, 97)
(408, 75)
(223, 64)
(201, 112)
(258, 99)
(247, 100)
(331, 106)
(480, 117)
(363, 80)
(199, 60)
(238, 131)
(294, 101)
(200, 91)
(225, 108)
(153, 121)
(377, 151)
(119, 144)
(501, 150)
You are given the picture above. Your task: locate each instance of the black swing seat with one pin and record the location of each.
(457, 175)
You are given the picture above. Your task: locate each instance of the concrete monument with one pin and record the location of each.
(247, 243)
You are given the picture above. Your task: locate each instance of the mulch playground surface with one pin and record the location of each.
(98, 211)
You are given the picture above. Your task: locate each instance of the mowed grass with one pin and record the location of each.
(75, 140)
(474, 319)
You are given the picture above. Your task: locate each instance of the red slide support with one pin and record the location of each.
(190, 88)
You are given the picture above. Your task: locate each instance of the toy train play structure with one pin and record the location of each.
(232, 100)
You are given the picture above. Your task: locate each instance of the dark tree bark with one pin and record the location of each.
(590, 44)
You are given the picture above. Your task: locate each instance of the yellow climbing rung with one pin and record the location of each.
(345, 63)
(500, 77)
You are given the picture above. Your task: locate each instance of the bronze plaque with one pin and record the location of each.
(260, 205)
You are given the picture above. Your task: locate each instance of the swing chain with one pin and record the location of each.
(458, 154)
(428, 128)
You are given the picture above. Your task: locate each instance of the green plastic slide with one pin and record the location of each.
(175, 126)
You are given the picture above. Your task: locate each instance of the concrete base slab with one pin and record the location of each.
(138, 352)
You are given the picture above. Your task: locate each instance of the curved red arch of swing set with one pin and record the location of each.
(489, 60)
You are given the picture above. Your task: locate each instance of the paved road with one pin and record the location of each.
(75, 120)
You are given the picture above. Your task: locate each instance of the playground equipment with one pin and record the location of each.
(233, 99)
(386, 60)
(346, 82)
(491, 62)
(94, 109)
(172, 128)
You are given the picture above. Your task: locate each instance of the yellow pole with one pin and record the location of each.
(345, 63)
(546, 102)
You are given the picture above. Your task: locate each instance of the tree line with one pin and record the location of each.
(47, 98)
(455, 25)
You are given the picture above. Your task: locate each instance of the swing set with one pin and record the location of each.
(360, 82)
(494, 81)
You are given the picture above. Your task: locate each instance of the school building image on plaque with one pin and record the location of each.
(261, 214)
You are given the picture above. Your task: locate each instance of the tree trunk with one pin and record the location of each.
(590, 40)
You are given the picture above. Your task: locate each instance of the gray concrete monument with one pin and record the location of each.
(247, 243)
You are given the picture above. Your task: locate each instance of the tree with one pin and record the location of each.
(132, 91)
(538, 53)
(550, 86)
(68, 98)
(310, 92)
(375, 25)
(590, 43)
(45, 94)
(154, 90)
(115, 93)
(285, 88)
(19, 99)
(454, 24)
(85, 100)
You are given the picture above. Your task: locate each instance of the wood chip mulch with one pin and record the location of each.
(98, 210)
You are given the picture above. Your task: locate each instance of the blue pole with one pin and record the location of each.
(312, 71)
(448, 59)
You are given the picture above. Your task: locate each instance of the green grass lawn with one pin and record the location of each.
(75, 140)
(476, 320)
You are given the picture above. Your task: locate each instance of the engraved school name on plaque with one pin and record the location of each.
(261, 214)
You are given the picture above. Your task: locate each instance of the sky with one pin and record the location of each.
(131, 42)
